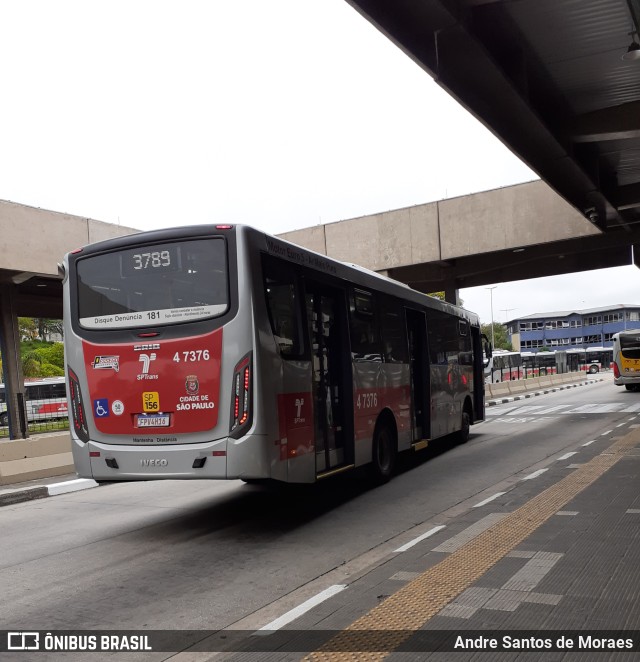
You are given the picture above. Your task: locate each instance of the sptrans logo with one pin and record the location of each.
(146, 359)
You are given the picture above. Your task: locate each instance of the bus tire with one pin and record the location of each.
(4, 419)
(593, 369)
(383, 453)
(465, 425)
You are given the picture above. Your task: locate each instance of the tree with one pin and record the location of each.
(46, 327)
(499, 334)
(42, 359)
(33, 328)
(27, 328)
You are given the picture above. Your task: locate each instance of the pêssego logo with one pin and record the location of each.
(106, 363)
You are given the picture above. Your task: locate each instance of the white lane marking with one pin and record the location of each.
(535, 474)
(604, 434)
(609, 408)
(491, 498)
(566, 456)
(593, 441)
(71, 486)
(303, 608)
(415, 541)
(592, 408)
(620, 425)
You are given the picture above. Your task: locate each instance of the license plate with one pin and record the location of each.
(153, 421)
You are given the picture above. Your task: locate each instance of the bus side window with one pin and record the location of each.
(281, 293)
(394, 333)
(437, 330)
(363, 327)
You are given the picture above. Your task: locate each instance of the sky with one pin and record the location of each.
(281, 115)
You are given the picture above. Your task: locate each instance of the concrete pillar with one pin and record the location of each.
(451, 293)
(11, 364)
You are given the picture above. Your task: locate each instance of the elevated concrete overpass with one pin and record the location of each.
(513, 233)
(32, 243)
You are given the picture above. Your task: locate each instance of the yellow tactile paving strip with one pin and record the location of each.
(411, 607)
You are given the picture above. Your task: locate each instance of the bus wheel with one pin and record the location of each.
(593, 369)
(4, 419)
(465, 426)
(383, 453)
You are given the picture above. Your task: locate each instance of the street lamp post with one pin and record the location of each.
(493, 340)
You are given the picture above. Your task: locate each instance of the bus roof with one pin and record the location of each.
(297, 255)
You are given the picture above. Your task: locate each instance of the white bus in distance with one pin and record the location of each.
(45, 400)
(503, 366)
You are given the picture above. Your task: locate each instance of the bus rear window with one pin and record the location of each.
(630, 346)
(157, 284)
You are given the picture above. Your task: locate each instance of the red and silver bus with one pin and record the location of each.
(45, 399)
(591, 359)
(503, 366)
(223, 352)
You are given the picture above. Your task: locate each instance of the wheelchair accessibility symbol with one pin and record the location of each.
(101, 408)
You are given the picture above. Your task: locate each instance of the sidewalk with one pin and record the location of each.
(551, 564)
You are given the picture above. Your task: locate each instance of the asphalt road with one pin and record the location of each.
(206, 555)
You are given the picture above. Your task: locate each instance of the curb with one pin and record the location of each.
(13, 497)
(524, 396)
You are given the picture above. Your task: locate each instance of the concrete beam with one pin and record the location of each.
(34, 240)
(450, 243)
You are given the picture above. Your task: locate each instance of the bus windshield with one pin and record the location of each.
(165, 283)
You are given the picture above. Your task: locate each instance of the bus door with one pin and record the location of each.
(419, 375)
(478, 355)
(331, 374)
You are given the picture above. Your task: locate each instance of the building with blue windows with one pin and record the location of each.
(577, 329)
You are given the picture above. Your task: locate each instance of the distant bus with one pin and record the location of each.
(591, 360)
(44, 399)
(626, 359)
(598, 358)
(539, 364)
(503, 366)
(218, 351)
